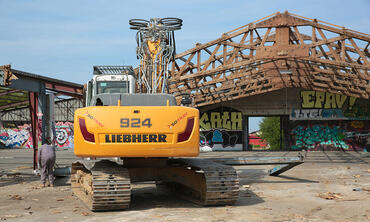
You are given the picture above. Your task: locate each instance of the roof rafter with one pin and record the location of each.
(272, 53)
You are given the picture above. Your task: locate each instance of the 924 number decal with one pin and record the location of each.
(135, 122)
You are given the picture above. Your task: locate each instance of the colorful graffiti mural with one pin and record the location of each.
(20, 137)
(13, 137)
(64, 134)
(331, 135)
(316, 105)
(221, 129)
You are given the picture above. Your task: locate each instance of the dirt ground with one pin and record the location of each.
(329, 186)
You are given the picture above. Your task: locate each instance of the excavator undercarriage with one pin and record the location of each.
(106, 185)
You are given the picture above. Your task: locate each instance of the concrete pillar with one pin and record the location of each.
(246, 133)
(286, 131)
(281, 132)
(49, 116)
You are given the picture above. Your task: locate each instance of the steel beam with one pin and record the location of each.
(282, 163)
(12, 105)
(64, 89)
(9, 92)
(33, 107)
(239, 161)
(277, 170)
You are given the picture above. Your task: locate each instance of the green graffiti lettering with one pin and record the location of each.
(308, 100)
(352, 101)
(320, 97)
(221, 120)
(330, 101)
(340, 99)
(203, 122)
(226, 124)
(236, 120)
(318, 135)
(216, 121)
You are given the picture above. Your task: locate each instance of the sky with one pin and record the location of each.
(65, 39)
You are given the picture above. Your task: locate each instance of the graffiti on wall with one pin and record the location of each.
(221, 129)
(316, 105)
(331, 135)
(14, 137)
(20, 137)
(64, 134)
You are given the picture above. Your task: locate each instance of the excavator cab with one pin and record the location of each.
(109, 80)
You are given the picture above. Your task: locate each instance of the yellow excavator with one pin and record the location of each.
(131, 131)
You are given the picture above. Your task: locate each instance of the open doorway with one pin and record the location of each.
(256, 143)
(267, 133)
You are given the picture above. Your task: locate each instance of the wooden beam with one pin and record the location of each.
(186, 64)
(360, 53)
(329, 46)
(265, 37)
(298, 34)
(211, 58)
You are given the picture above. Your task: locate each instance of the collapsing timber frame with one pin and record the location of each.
(282, 163)
(279, 51)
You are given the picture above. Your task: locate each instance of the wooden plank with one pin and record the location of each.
(339, 64)
(224, 52)
(265, 37)
(328, 41)
(299, 35)
(313, 41)
(211, 58)
(329, 46)
(348, 33)
(214, 42)
(239, 45)
(198, 60)
(218, 69)
(218, 58)
(182, 69)
(251, 42)
(343, 50)
(360, 53)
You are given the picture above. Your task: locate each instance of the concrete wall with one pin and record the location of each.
(310, 119)
(278, 102)
(334, 135)
(20, 136)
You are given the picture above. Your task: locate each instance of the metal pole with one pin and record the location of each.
(33, 107)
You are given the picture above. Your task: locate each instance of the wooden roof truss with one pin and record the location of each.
(279, 51)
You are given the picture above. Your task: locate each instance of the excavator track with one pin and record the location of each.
(101, 185)
(213, 183)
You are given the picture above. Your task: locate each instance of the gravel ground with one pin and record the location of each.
(329, 186)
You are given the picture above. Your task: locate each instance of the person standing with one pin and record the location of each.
(46, 159)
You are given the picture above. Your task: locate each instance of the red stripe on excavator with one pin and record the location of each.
(188, 130)
(86, 134)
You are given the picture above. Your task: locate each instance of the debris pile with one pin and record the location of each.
(330, 196)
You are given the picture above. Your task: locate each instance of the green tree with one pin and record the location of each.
(270, 131)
